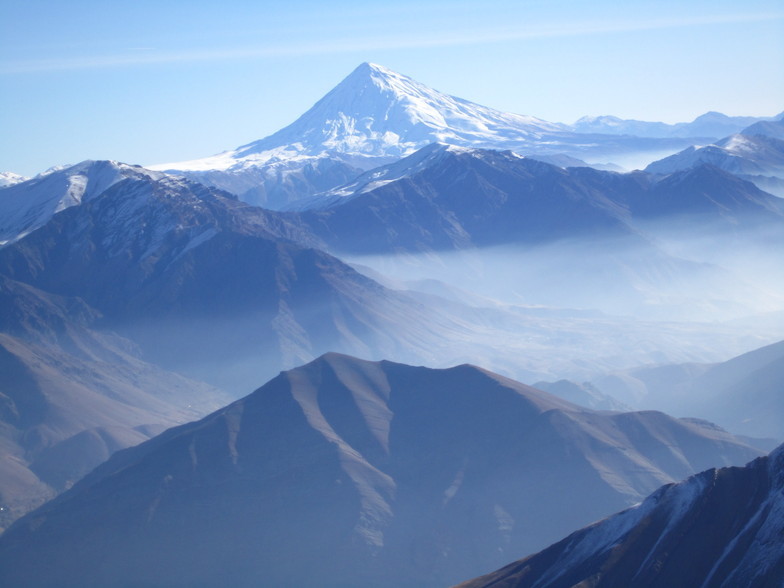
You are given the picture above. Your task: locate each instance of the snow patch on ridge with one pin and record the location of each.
(10, 178)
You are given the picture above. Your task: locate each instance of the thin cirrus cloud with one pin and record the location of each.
(149, 56)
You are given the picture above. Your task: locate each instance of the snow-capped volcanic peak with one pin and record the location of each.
(376, 112)
(27, 205)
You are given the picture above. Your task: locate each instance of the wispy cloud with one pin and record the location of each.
(149, 56)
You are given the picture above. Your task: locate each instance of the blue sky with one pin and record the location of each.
(152, 82)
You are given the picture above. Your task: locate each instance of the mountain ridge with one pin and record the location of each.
(376, 461)
(29, 203)
(756, 154)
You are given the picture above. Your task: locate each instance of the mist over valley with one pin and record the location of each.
(404, 340)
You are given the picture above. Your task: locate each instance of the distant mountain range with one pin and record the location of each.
(499, 207)
(445, 197)
(375, 116)
(742, 393)
(710, 124)
(722, 527)
(755, 154)
(352, 473)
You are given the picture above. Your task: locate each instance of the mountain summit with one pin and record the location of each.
(376, 112)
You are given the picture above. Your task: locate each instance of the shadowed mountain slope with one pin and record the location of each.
(352, 473)
(516, 229)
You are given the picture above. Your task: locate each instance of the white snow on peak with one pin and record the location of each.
(376, 112)
(737, 154)
(27, 205)
(10, 178)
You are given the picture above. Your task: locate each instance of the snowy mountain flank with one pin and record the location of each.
(29, 204)
(377, 113)
(375, 116)
(720, 528)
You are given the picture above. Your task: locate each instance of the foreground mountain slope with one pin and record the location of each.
(719, 528)
(375, 116)
(71, 395)
(352, 473)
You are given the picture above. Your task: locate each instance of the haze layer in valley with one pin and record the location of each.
(409, 226)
